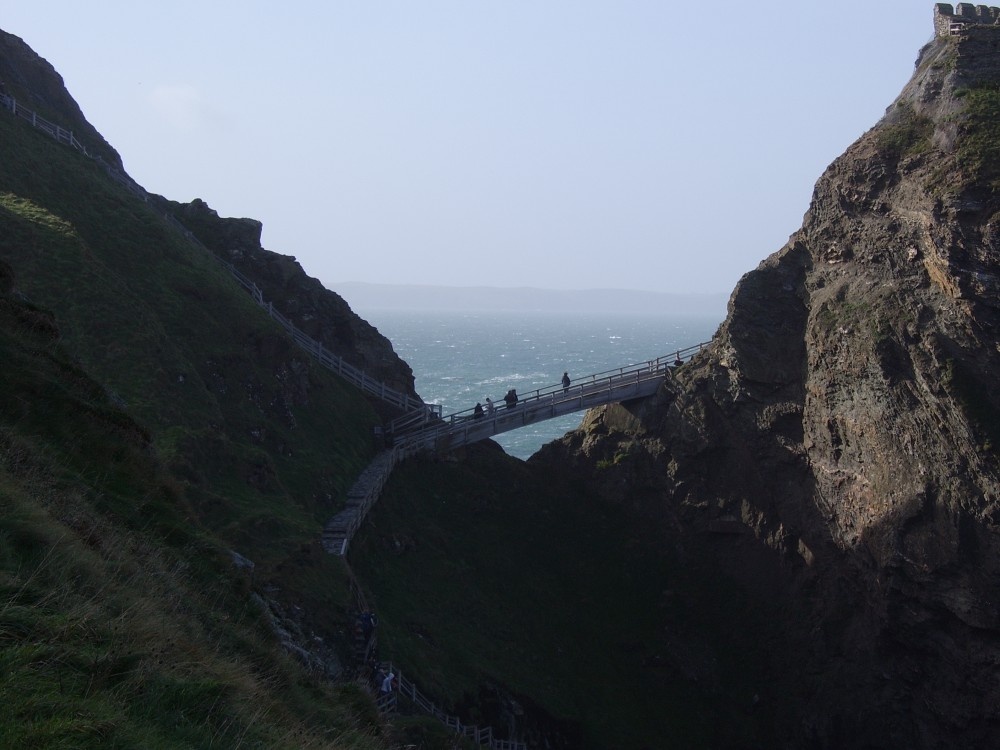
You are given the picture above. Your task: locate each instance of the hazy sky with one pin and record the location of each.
(570, 145)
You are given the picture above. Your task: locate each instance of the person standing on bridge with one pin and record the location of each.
(478, 411)
(511, 398)
(489, 407)
(565, 382)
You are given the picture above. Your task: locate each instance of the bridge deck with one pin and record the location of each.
(465, 428)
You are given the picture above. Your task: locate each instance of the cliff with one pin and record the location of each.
(167, 458)
(322, 314)
(836, 449)
(35, 84)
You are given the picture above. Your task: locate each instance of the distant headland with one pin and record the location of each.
(364, 296)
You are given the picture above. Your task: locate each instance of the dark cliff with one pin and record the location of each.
(836, 449)
(168, 456)
(36, 85)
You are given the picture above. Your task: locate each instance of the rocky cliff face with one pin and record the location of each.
(837, 446)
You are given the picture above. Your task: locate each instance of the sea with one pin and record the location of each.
(459, 358)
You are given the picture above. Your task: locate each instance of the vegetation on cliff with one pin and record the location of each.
(123, 622)
(152, 420)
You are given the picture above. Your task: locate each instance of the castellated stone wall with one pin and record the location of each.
(964, 13)
(976, 46)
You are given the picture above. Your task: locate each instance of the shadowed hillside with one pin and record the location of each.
(168, 459)
(123, 621)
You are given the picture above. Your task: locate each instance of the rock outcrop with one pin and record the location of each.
(322, 314)
(34, 83)
(837, 446)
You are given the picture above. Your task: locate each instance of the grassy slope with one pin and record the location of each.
(122, 623)
(267, 442)
(487, 571)
(249, 447)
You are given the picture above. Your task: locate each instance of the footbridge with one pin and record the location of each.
(423, 431)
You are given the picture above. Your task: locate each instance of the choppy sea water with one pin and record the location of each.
(461, 358)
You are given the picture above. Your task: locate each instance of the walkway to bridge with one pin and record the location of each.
(422, 432)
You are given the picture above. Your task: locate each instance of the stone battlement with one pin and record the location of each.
(963, 14)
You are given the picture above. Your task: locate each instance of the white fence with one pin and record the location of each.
(404, 688)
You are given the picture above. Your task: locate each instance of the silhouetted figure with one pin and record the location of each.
(478, 411)
(511, 398)
(565, 382)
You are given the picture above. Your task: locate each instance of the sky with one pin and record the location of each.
(630, 144)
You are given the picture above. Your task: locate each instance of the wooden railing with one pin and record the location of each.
(404, 688)
(57, 132)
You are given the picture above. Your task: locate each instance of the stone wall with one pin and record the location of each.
(978, 55)
(964, 13)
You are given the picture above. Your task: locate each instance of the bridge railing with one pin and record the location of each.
(582, 386)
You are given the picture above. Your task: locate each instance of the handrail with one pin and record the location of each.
(388, 703)
(464, 427)
(323, 356)
(57, 132)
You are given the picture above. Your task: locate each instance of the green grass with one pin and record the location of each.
(114, 633)
(163, 327)
(979, 141)
(908, 134)
(144, 431)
